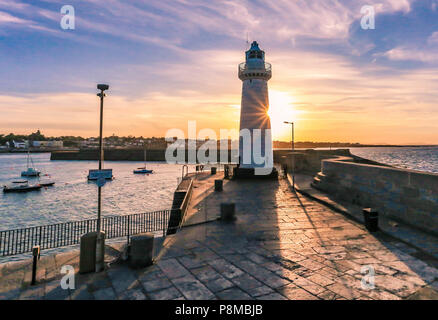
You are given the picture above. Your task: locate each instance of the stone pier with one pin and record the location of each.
(281, 246)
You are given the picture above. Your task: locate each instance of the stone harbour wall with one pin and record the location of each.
(403, 195)
(309, 160)
(123, 155)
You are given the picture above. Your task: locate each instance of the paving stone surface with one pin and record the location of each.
(105, 294)
(218, 284)
(192, 288)
(281, 246)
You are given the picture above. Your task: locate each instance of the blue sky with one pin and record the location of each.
(172, 61)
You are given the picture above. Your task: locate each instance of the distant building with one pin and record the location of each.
(19, 144)
(48, 144)
(89, 143)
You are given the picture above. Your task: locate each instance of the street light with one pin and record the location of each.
(292, 124)
(292, 155)
(100, 240)
(101, 94)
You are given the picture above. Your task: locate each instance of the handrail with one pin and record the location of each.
(187, 171)
(18, 241)
(185, 203)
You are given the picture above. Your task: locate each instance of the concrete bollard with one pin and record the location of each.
(213, 170)
(87, 255)
(36, 256)
(371, 218)
(218, 185)
(228, 211)
(92, 252)
(141, 250)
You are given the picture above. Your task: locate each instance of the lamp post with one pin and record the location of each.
(100, 240)
(292, 155)
(102, 88)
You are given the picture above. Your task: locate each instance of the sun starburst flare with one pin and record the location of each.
(281, 108)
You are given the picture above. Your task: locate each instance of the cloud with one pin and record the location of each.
(172, 61)
(393, 6)
(6, 18)
(328, 93)
(175, 24)
(415, 54)
(404, 31)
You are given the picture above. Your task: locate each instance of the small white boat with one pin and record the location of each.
(25, 187)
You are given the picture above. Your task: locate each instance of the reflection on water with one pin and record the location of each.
(416, 158)
(74, 198)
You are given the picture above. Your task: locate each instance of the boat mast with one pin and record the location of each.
(28, 155)
(31, 161)
(144, 146)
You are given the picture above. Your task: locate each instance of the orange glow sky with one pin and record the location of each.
(168, 64)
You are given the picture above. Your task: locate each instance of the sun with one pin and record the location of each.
(281, 108)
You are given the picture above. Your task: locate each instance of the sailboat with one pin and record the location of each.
(31, 171)
(143, 169)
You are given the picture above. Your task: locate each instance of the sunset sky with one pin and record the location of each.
(170, 61)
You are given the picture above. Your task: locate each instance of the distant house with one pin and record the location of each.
(48, 144)
(19, 144)
(89, 143)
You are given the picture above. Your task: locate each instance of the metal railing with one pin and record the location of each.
(246, 67)
(20, 241)
(185, 204)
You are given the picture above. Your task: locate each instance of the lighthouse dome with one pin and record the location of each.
(254, 65)
(255, 57)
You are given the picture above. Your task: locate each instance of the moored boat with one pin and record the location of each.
(143, 169)
(22, 188)
(30, 171)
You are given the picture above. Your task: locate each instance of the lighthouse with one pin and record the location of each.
(255, 141)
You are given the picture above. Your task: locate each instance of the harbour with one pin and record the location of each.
(150, 152)
(74, 198)
(281, 245)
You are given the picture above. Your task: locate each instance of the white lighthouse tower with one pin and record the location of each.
(255, 143)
